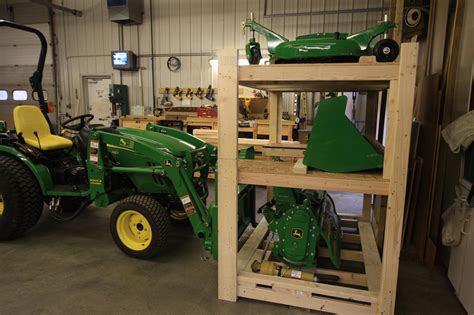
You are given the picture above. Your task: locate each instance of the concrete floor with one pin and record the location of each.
(75, 268)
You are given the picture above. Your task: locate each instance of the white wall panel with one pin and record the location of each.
(193, 30)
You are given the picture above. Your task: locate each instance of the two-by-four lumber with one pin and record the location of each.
(227, 194)
(398, 177)
(270, 173)
(275, 110)
(251, 245)
(371, 256)
(319, 72)
(318, 296)
(392, 118)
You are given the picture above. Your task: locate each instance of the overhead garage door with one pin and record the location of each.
(19, 52)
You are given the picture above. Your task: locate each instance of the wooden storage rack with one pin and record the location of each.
(381, 274)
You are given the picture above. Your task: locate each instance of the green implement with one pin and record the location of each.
(153, 176)
(303, 220)
(322, 47)
(335, 144)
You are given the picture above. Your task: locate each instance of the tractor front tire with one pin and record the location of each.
(21, 200)
(140, 226)
(386, 50)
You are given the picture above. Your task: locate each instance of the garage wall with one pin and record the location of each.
(19, 53)
(193, 30)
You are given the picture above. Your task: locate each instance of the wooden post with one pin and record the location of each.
(399, 169)
(275, 111)
(397, 17)
(370, 130)
(392, 118)
(227, 184)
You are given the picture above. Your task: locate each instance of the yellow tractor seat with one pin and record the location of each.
(33, 127)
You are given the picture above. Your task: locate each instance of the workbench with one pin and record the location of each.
(260, 128)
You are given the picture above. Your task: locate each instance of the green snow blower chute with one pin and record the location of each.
(335, 144)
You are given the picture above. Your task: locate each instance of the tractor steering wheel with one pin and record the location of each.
(84, 121)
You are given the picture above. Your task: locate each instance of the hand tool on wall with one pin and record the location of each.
(178, 93)
(199, 93)
(210, 93)
(189, 94)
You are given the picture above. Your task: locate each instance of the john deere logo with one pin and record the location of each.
(297, 233)
(127, 143)
(168, 163)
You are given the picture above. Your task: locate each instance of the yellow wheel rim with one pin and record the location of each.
(2, 205)
(134, 230)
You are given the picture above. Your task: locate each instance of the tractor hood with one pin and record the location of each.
(162, 141)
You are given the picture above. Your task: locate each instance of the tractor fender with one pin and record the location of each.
(40, 171)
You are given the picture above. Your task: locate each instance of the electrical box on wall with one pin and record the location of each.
(125, 11)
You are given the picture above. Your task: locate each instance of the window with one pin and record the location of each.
(3, 95)
(35, 95)
(20, 95)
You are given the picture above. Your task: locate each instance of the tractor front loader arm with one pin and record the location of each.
(365, 37)
(159, 168)
(211, 150)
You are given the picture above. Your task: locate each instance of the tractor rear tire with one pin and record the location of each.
(140, 226)
(21, 200)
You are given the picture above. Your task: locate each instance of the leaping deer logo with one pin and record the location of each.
(297, 233)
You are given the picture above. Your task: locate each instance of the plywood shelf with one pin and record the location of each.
(270, 173)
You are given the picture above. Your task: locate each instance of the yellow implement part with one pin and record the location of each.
(2, 205)
(134, 230)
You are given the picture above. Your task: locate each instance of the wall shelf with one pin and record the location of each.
(380, 274)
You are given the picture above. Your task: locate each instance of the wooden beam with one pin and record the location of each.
(351, 238)
(270, 173)
(227, 192)
(247, 251)
(346, 254)
(392, 117)
(299, 167)
(398, 19)
(372, 263)
(317, 86)
(274, 109)
(246, 278)
(296, 73)
(295, 151)
(398, 178)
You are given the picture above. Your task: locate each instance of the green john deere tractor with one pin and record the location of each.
(321, 47)
(150, 174)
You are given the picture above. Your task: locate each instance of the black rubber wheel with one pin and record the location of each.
(386, 50)
(255, 55)
(21, 200)
(140, 226)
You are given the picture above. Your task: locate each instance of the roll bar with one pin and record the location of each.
(37, 77)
